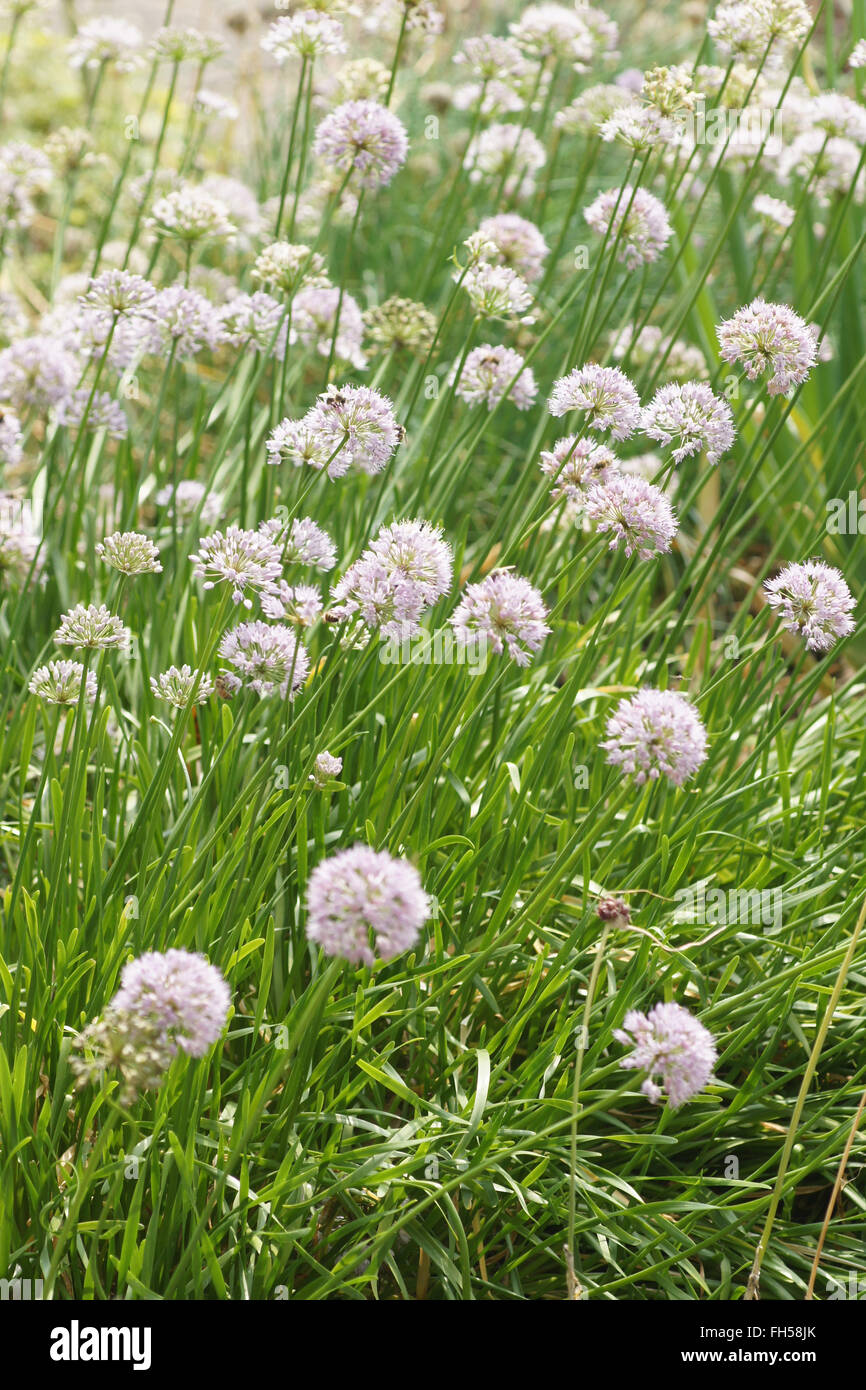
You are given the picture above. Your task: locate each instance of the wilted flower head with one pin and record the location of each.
(517, 243)
(59, 683)
(360, 892)
(91, 626)
(269, 657)
(180, 686)
(325, 769)
(243, 559)
(491, 373)
(363, 139)
(507, 611)
(106, 40)
(813, 601)
(670, 1043)
(603, 394)
(306, 34)
(693, 418)
(191, 214)
(506, 151)
(130, 553)
(400, 323)
(636, 218)
(289, 267)
(770, 337)
(576, 465)
(635, 513)
(656, 733)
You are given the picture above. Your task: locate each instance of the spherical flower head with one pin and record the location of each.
(362, 139)
(191, 499)
(118, 292)
(363, 79)
(773, 211)
(380, 596)
(93, 627)
(130, 553)
(400, 324)
(670, 89)
(494, 373)
(497, 292)
(326, 769)
(507, 612)
(59, 683)
(84, 409)
(106, 40)
(180, 686)
(361, 893)
(307, 544)
(690, 416)
(588, 112)
(636, 218)
(315, 311)
(634, 513)
(253, 321)
(639, 128)
(186, 996)
(603, 394)
(185, 323)
(289, 267)
(670, 1043)
(576, 465)
(751, 29)
(176, 44)
(656, 733)
(269, 657)
(517, 243)
(509, 152)
(300, 604)
(192, 215)
(770, 337)
(552, 30)
(356, 427)
(307, 34)
(36, 371)
(417, 552)
(813, 601)
(244, 559)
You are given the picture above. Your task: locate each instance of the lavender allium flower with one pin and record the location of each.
(106, 40)
(174, 44)
(269, 657)
(10, 439)
(243, 559)
(507, 611)
(518, 244)
(191, 214)
(406, 569)
(671, 1043)
(634, 512)
(185, 322)
(637, 218)
(59, 683)
(352, 426)
(130, 553)
(191, 498)
(308, 544)
(813, 601)
(552, 30)
(253, 321)
(493, 372)
(365, 139)
(648, 345)
(603, 394)
(118, 292)
(177, 686)
(638, 127)
(84, 410)
(187, 997)
(92, 626)
(693, 418)
(748, 29)
(360, 892)
(296, 603)
(289, 267)
(770, 337)
(506, 151)
(497, 292)
(576, 465)
(656, 733)
(858, 55)
(306, 34)
(326, 769)
(773, 211)
(314, 314)
(36, 371)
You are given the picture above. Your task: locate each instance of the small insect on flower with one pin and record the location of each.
(656, 733)
(93, 627)
(770, 337)
(180, 686)
(362, 139)
(493, 373)
(59, 683)
(269, 657)
(507, 612)
(168, 1003)
(669, 1042)
(603, 394)
(130, 553)
(690, 416)
(814, 601)
(359, 894)
(634, 218)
